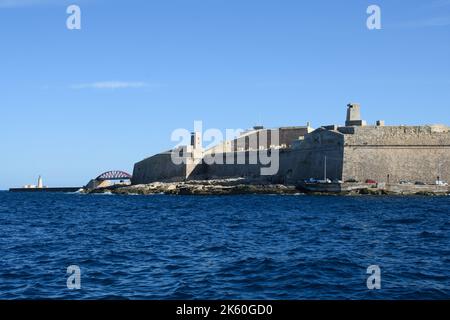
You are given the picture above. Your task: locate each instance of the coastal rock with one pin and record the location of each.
(237, 186)
(202, 187)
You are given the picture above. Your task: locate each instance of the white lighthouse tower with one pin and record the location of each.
(40, 185)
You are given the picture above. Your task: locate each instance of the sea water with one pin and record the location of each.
(223, 247)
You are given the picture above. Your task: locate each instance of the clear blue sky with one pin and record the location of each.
(230, 63)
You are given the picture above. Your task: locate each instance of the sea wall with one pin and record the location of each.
(404, 153)
(158, 168)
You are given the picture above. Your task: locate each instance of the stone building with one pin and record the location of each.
(354, 152)
(161, 167)
(360, 152)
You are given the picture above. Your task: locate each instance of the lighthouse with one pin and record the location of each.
(40, 185)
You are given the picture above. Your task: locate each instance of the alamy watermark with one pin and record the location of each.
(73, 22)
(74, 279)
(374, 20)
(374, 280)
(257, 147)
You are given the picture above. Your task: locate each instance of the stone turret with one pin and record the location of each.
(196, 148)
(196, 140)
(354, 116)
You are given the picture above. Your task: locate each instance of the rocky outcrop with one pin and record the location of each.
(202, 187)
(236, 186)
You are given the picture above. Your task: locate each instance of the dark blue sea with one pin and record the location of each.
(224, 247)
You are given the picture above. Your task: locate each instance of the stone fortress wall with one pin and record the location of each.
(161, 168)
(355, 151)
(398, 153)
(318, 156)
(158, 168)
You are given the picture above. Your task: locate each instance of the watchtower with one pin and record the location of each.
(354, 116)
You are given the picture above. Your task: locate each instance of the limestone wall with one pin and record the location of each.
(398, 136)
(290, 134)
(308, 161)
(293, 166)
(403, 153)
(157, 168)
(227, 170)
(257, 139)
(361, 153)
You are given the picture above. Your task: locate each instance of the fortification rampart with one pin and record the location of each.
(398, 136)
(228, 165)
(388, 154)
(394, 154)
(158, 168)
(319, 156)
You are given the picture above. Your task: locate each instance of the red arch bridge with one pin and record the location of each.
(114, 175)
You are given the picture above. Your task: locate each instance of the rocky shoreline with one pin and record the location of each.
(203, 187)
(241, 186)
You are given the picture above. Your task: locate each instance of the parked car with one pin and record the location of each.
(441, 183)
(324, 181)
(420, 183)
(405, 182)
(352, 180)
(371, 181)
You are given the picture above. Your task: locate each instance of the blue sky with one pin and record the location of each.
(76, 103)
